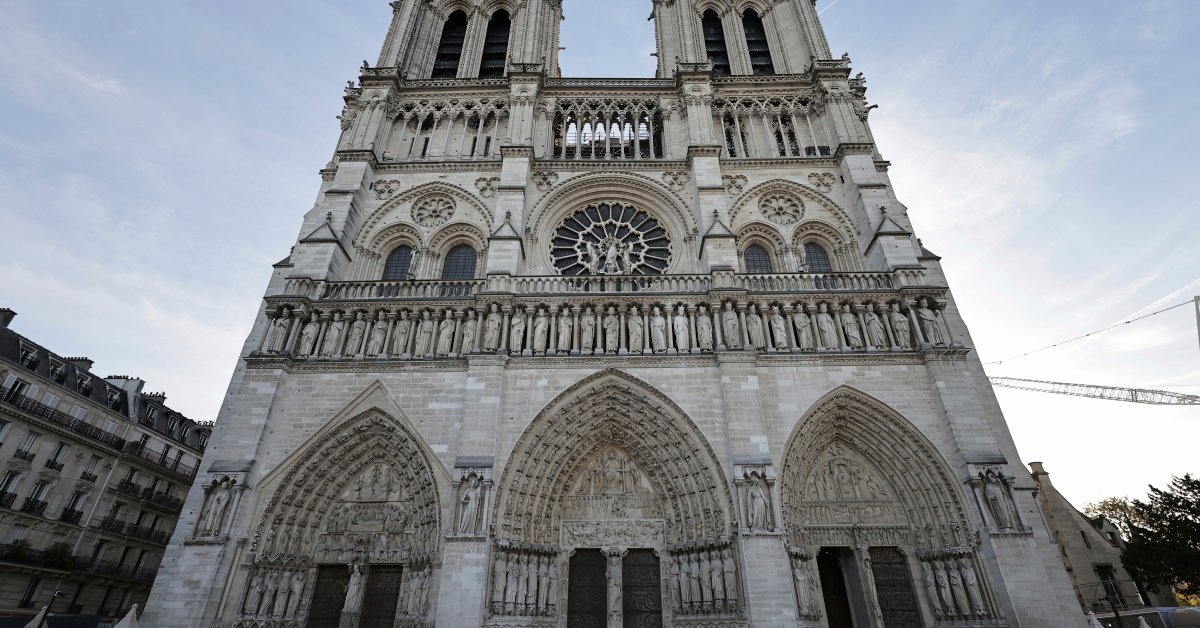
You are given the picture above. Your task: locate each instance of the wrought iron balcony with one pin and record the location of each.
(41, 558)
(25, 454)
(88, 477)
(70, 515)
(111, 524)
(54, 465)
(146, 534)
(33, 506)
(132, 489)
(63, 419)
(7, 499)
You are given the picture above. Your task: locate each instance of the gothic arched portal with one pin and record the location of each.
(362, 494)
(613, 493)
(612, 408)
(863, 492)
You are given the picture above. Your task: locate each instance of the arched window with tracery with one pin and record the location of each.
(399, 264)
(714, 43)
(449, 52)
(757, 260)
(495, 46)
(817, 258)
(756, 43)
(460, 263)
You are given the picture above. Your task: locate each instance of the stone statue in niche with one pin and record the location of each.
(758, 506)
(593, 259)
(729, 326)
(729, 576)
(470, 329)
(901, 327)
(829, 336)
(401, 334)
(565, 327)
(543, 579)
(587, 330)
(804, 330)
(943, 586)
(333, 336)
(612, 330)
(516, 333)
(929, 324)
(491, 329)
(272, 592)
(806, 586)
(704, 330)
(279, 331)
(445, 342)
(471, 502)
(358, 329)
(995, 493)
(378, 336)
(658, 331)
(614, 582)
(956, 587)
(541, 328)
(636, 330)
(875, 332)
(285, 587)
(499, 579)
(971, 581)
(212, 518)
(931, 591)
(779, 332)
(308, 337)
(425, 335)
(850, 328)
(355, 589)
(754, 326)
(254, 596)
(680, 323)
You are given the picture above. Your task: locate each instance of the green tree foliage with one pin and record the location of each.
(1118, 510)
(1164, 546)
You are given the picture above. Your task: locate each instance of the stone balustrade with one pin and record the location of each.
(607, 316)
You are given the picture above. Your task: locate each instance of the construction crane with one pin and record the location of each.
(1112, 393)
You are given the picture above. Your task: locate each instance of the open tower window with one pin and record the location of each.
(495, 46)
(756, 43)
(714, 43)
(449, 51)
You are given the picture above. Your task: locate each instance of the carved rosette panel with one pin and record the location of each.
(433, 211)
(783, 209)
(364, 492)
(611, 239)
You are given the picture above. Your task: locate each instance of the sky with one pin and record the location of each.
(157, 157)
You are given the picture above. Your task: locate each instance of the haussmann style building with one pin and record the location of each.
(94, 476)
(610, 352)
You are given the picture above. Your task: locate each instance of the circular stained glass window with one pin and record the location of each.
(611, 239)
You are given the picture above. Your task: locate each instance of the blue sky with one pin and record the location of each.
(157, 157)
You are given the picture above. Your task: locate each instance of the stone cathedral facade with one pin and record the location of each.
(609, 352)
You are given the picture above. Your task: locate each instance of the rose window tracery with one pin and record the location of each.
(611, 239)
(781, 208)
(433, 210)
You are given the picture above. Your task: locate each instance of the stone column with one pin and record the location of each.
(456, 344)
(615, 587)
(262, 338)
(622, 332)
(297, 324)
(718, 340)
(505, 330)
(862, 327)
(575, 335)
(552, 332)
(922, 344)
(693, 336)
(387, 343)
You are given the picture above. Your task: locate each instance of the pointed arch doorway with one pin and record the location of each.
(349, 536)
(612, 483)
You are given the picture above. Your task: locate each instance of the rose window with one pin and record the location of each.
(433, 211)
(782, 208)
(611, 239)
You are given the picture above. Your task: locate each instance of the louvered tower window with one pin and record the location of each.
(756, 42)
(817, 259)
(460, 263)
(714, 43)
(449, 52)
(399, 264)
(758, 262)
(495, 46)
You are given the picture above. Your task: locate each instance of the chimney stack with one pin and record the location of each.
(6, 316)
